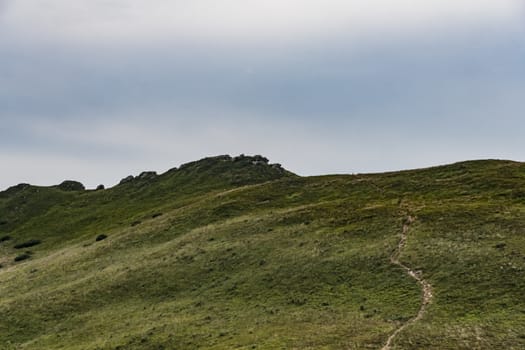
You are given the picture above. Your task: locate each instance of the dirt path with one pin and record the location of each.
(426, 288)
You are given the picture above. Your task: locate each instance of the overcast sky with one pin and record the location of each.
(95, 90)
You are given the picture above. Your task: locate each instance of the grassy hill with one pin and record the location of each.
(236, 253)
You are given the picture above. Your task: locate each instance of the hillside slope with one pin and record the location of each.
(235, 253)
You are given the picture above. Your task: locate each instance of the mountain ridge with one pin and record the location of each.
(230, 254)
(275, 165)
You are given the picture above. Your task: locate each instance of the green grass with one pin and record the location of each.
(249, 256)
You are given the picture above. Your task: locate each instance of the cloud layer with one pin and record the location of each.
(95, 90)
(247, 20)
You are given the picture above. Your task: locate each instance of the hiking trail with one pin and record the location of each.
(426, 288)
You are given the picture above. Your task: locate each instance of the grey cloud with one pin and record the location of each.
(317, 107)
(308, 82)
(240, 20)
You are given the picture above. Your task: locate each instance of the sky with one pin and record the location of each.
(95, 90)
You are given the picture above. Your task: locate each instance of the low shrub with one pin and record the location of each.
(135, 223)
(28, 244)
(22, 257)
(101, 237)
(5, 238)
(297, 300)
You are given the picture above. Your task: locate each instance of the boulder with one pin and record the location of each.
(69, 185)
(147, 175)
(127, 179)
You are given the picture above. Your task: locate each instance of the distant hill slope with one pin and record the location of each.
(236, 253)
(64, 212)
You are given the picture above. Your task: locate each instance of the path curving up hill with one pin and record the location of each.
(425, 285)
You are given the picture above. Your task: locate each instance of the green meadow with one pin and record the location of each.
(237, 253)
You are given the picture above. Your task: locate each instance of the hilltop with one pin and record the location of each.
(236, 252)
